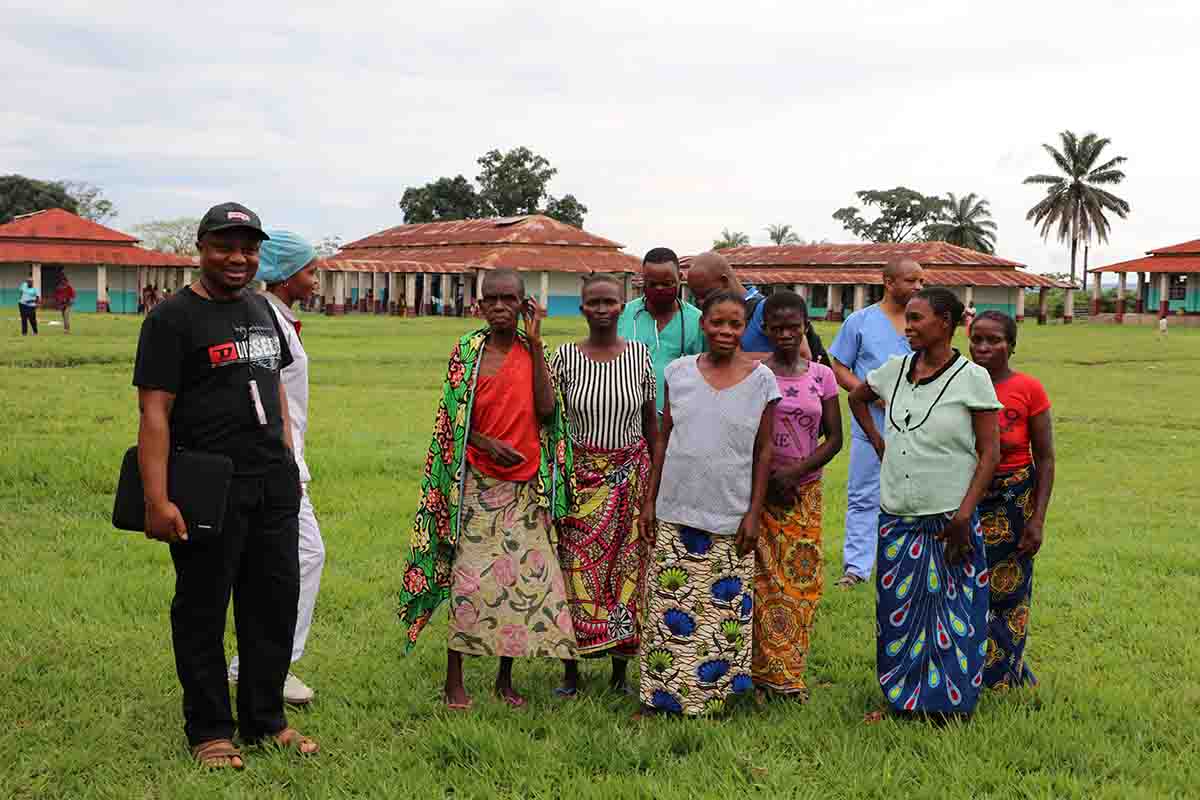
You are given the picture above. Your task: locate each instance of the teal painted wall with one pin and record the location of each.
(1190, 304)
(1004, 308)
(9, 297)
(817, 312)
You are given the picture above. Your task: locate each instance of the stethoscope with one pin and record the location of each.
(654, 324)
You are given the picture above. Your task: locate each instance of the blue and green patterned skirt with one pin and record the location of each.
(1003, 513)
(931, 618)
(697, 628)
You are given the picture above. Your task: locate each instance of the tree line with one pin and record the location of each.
(1075, 208)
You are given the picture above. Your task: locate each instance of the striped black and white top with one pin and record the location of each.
(604, 399)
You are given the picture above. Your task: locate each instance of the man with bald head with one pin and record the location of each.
(710, 272)
(866, 340)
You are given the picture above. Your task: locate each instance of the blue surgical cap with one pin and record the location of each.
(282, 256)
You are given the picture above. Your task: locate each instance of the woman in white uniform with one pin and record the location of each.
(288, 265)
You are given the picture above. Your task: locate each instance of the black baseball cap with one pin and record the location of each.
(230, 215)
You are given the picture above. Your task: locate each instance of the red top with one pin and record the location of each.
(1023, 397)
(504, 410)
(64, 293)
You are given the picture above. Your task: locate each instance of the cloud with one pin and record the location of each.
(669, 120)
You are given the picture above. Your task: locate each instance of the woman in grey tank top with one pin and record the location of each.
(711, 468)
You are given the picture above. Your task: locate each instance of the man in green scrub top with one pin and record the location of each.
(670, 327)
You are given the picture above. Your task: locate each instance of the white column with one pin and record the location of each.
(1020, 290)
(36, 278)
(479, 283)
(468, 293)
(1069, 306)
(544, 294)
(101, 287)
(339, 292)
(410, 293)
(860, 297)
(1121, 296)
(1164, 292)
(968, 295)
(835, 298)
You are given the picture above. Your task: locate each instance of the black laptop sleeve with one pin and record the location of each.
(198, 483)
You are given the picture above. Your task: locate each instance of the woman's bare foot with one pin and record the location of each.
(618, 681)
(509, 695)
(504, 687)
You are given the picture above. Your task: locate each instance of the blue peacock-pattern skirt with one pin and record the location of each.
(931, 618)
(697, 624)
(1003, 514)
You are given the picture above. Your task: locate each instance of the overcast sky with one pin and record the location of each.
(668, 120)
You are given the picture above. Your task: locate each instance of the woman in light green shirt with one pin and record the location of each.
(939, 450)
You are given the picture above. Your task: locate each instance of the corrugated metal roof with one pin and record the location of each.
(874, 276)
(1191, 248)
(61, 225)
(393, 265)
(108, 254)
(533, 229)
(450, 258)
(800, 255)
(1154, 263)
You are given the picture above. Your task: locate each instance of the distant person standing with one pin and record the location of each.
(667, 325)
(866, 340)
(288, 266)
(208, 377)
(64, 298)
(969, 315)
(27, 304)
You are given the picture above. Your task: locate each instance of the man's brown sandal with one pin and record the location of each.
(218, 754)
(292, 739)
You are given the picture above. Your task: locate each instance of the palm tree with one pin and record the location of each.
(783, 234)
(966, 222)
(730, 239)
(1074, 201)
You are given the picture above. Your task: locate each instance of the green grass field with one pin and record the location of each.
(89, 703)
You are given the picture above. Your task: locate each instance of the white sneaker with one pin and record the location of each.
(295, 692)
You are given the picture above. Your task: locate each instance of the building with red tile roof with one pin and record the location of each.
(105, 266)
(436, 267)
(836, 278)
(1168, 281)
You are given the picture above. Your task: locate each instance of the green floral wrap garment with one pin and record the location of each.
(425, 582)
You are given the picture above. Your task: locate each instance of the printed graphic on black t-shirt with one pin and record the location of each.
(208, 354)
(254, 345)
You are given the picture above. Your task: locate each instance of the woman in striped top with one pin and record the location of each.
(608, 388)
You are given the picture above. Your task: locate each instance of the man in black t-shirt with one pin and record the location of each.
(207, 373)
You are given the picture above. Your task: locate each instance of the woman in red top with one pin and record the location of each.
(1014, 510)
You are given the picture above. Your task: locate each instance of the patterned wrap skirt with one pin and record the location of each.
(787, 589)
(1003, 514)
(931, 618)
(602, 556)
(507, 596)
(697, 628)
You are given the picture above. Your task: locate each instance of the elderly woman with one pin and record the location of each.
(287, 263)
(1014, 509)
(938, 456)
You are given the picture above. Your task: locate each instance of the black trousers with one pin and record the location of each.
(257, 560)
(28, 318)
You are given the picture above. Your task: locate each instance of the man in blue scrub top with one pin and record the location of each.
(670, 327)
(866, 340)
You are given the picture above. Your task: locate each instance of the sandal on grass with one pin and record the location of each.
(218, 754)
(849, 581)
(292, 739)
